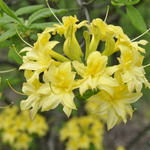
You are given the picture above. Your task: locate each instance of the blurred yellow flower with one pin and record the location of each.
(15, 129)
(120, 148)
(81, 132)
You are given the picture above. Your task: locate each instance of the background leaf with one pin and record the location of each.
(42, 25)
(12, 54)
(7, 34)
(43, 13)
(136, 18)
(8, 11)
(28, 9)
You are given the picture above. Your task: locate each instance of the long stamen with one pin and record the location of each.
(53, 12)
(21, 37)
(52, 89)
(7, 70)
(13, 88)
(8, 105)
(13, 45)
(141, 35)
(107, 11)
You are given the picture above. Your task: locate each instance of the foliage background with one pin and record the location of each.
(136, 133)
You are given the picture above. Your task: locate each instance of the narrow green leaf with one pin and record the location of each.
(28, 9)
(136, 18)
(42, 25)
(8, 11)
(6, 19)
(7, 34)
(43, 13)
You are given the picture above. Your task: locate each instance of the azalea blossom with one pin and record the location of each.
(95, 74)
(117, 105)
(132, 70)
(62, 84)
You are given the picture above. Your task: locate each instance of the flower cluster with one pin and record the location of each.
(82, 133)
(17, 128)
(53, 78)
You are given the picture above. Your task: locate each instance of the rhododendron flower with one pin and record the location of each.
(62, 84)
(132, 71)
(116, 105)
(95, 74)
(53, 78)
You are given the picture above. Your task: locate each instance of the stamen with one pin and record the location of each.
(7, 70)
(21, 37)
(13, 88)
(8, 105)
(53, 12)
(52, 89)
(13, 45)
(141, 35)
(146, 65)
(107, 11)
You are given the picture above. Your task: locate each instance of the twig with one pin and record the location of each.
(83, 5)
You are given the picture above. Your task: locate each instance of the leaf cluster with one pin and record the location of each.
(12, 22)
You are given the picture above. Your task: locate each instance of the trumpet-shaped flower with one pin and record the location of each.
(116, 105)
(35, 92)
(132, 71)
(95, 74)
(62, 84)
(71, 47)
(39, 57)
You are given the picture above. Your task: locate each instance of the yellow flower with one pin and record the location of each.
(15, 129)
(120, 148)
(62, 84)
(116, 105)
(81, 132)
(39, 57)
(9, 135)
(131, 69)
(98, 30)
(71, 46)
(95, 74)
(35, 92)
(22, 141)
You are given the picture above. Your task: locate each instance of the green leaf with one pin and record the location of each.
(88, 93)
(43, 13)
(136, 19)
(5, 44)
(12, 54)
(7, 34)
(133, 2)
(42, 25)
(8, 11)
(28, 9)
(117, 3)
(124, 2)
(6, 19)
